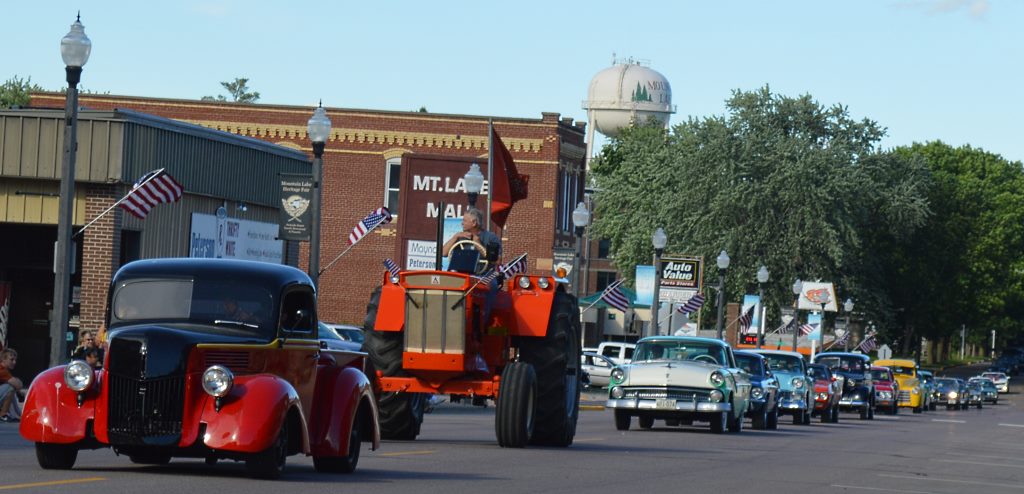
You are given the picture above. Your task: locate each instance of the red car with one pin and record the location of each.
(827, 393)
(887, 390)
(208, 358)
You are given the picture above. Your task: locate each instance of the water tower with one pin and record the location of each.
(622, 94)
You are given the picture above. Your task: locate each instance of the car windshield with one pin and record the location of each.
(784, 363)
(232, 307)
(880, 375)
(819, 373)
(994, 375)
(842, 363)
(350, 334)
(947, 384)
(899, 369)
(680, 350)
(749, 363)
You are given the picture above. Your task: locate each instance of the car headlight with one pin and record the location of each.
(952, 394)
(543, 283)
(78, 375)
(618, 375)
(524, 282)
(617, 392)
(217, 381)
(822, 396)
(717, 378)
(717, 396)
(798, 382)
(757, 393)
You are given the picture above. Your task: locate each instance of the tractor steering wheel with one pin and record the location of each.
(481, 263)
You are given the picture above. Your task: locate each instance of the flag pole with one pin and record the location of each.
(152, 175)
(490, 169)
(606, 290)
(335, 259)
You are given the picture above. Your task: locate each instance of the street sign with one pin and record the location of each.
(884, 352)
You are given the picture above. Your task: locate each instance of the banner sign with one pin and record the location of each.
(754, 300)
(233, 238)
(563, 259)
(296, 199)
(644, 284)
(816, 292)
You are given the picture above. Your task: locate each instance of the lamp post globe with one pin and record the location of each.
(658, 241)
(848, 308)
(580, 220)
(319, 129)
(474, 181)
(75, 49)
(723, 263)
(798, 288)
(762, 278)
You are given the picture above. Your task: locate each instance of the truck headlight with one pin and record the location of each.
(217, 381)
(915, 391)
(78, 375)
(717, 378)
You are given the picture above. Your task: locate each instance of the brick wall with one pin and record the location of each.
(100, 253)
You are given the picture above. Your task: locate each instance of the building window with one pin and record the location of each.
(604, 278)
(604, 246)
(393, 174)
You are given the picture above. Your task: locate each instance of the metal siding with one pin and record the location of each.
(36, 203)
(32, 146)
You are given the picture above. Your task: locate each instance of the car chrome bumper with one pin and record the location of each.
(846, 402)
(793, 404)
(668, 405)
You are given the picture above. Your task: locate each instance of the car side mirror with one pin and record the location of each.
(299, 319)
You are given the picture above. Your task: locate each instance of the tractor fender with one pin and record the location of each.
(343, 392)
(251, 414)
(52, 414)
(531, 309)
(392, 299)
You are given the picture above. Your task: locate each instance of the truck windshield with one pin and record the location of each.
(234, 306)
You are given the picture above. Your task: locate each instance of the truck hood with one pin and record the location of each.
(155, 350)
(670, 373)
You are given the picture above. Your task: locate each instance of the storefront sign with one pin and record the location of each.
(233, 238)
(680, 278)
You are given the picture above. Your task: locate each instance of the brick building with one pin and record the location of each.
(362, 163)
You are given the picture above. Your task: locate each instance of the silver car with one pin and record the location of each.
(597, 368)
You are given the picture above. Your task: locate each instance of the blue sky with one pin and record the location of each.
(924, 69)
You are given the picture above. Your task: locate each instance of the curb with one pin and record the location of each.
(592, 407)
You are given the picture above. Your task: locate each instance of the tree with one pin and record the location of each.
(779, 181)
(15, 92)
(238, 90)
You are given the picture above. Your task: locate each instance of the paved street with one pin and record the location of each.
(941, 452)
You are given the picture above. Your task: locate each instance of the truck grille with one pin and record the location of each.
(146, 411)
(904, 397)
(683, 394)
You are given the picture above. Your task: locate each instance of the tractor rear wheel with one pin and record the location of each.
(400, 414)
(556, 358)
(517, 399)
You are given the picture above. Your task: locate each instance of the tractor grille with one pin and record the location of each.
(683, 394)
(432, 324)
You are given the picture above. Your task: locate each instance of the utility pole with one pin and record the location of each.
(963, 331)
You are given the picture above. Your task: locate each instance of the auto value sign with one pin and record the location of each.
(680, 278)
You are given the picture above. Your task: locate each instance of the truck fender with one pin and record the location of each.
(344, 392)
(252, 414)
(52, 414)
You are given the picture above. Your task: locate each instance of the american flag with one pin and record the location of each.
(613, 296)
(868, 345)
(746, 319)
(518, 265)
(392, 267)
(692, 305)
(842, 339)
(807, 329)
(378, 217)
(153, 189)
(786, 328)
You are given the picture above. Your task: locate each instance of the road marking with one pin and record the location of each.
(986, 456)
(408, 453)
(987, 464)
(1011, 425)
(879, 489)
(588, 440)
(950, 421)
(52, 482)
(952, 481)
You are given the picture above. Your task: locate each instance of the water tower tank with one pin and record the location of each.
(625, 93)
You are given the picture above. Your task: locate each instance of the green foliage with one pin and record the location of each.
(779, 181)
(238, 91)
(15, 92)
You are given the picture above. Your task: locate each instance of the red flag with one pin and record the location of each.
(507, 186)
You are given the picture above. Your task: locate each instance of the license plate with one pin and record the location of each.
(665, 403)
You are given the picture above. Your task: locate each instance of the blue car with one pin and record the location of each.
(796, 389)
(764, 390)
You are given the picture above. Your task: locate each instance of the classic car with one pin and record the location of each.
(928, 385)
(886, 390)
(911, 393)
(975, 395)
(858, 388)
(597, 369)
(796, 389)
(827, 393)
(348, 332)
(208, 358)
(680, 379)
(989, 391)
(948, 393)
(764, 390)
(329, 336)
(1001, 380)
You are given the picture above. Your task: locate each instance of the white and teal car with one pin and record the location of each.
(680, 380)
(796, 388)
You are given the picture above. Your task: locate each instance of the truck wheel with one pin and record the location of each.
(517, 400)
(400, 414)
(269, 463)
(56, 456)
(622, 420)
(342, 464)
(646, 422)
(556, 358)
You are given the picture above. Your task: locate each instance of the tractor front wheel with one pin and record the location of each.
(517, 400)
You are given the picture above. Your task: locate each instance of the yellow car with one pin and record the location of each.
(911, 393)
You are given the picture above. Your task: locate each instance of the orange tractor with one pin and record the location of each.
(446, 332)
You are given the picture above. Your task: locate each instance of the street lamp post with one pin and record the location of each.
(75, 48)
(848, 308)
(798, 287)
(319, 128)
(580, 220)
(474, 181)
(658, 240)
(723, 263)
(762, 278)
